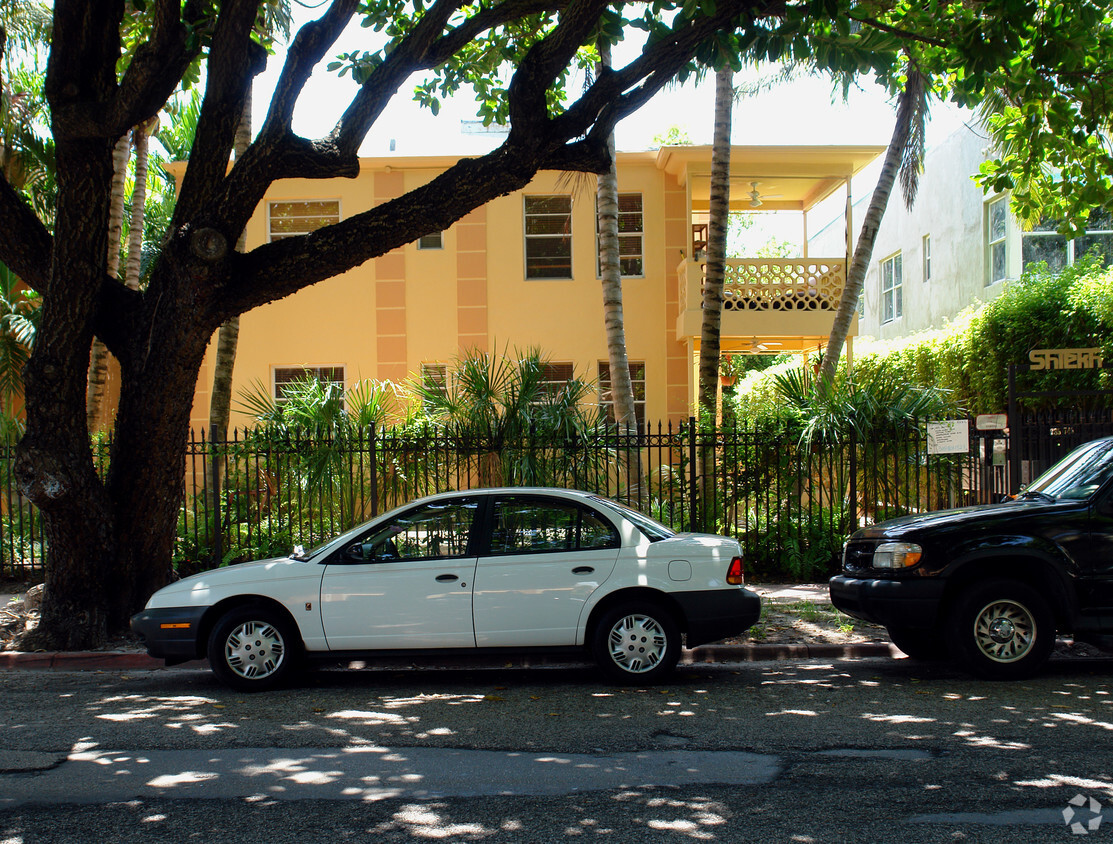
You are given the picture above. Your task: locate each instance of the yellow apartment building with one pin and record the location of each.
(522, 271)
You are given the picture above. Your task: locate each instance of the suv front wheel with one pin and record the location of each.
(1002, 629)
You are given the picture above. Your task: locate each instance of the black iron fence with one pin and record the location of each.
(790, 504)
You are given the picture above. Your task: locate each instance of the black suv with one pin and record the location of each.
(991, 585)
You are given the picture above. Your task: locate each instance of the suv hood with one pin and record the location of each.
(983, 514)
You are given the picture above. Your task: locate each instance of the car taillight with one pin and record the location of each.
(736, 574)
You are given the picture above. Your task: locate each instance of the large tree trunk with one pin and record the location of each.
(717, 225)
(910, 108)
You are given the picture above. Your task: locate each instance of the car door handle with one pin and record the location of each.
(582, 570)
(446, 578)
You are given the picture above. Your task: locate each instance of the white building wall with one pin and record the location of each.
(951, 209)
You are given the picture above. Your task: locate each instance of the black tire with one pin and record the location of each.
(1002, 630)
(636, 642)
(253, 648)
(921, 644)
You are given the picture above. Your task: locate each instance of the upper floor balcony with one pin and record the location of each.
(765, 298)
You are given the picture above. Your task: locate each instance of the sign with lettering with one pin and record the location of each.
(1066, 359)
(991, 422)
(951, 436)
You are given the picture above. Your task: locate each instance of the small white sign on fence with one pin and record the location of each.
(951, 436)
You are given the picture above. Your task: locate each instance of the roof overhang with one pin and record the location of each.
(789, 178)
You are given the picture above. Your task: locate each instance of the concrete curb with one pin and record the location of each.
(129, 661)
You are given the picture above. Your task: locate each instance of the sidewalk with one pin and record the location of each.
(706, 654)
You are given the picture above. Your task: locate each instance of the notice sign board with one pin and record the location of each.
(951, 436)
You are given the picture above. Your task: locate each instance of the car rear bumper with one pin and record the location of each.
(890, 603)
(170, 633)
(718, 613)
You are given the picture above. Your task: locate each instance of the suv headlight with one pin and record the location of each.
(897, 555)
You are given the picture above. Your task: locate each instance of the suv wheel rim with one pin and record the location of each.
(637, 643)
(1005, 631)
(254, 650)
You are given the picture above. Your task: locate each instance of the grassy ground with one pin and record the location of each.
(803, 622)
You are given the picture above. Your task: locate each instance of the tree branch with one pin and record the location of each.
(156, 69)
(234, 59)
(26, 245)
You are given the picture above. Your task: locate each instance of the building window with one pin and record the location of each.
(548, 227)
(996, 231)
(434, 240)
(927, 257)
(892, 282)
(606, 397)
(289, 219)
(434, 378)
(1045, 244)
(630, 249)
(287, 377)
(554, 378)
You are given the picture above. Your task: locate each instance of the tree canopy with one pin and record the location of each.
(113, 65)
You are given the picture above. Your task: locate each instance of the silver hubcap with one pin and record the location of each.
(1005, 631)
(637, 643)
(254, 650)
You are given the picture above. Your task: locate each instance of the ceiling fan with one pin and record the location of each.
(764, 346)
(756, 196)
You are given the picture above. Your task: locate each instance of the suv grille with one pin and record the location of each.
(858, 556)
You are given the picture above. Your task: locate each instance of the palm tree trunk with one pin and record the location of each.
(610, 266)
(717, 223)
(714, 272)
(139, 137)
(98, 359)
(911, 108)
(220, 402)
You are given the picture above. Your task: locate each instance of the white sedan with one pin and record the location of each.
(479, 571)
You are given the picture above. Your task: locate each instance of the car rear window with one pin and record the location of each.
(654, 531)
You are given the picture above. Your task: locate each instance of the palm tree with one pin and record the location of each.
(509, 409)
(717, 226)
(905, 155)
(606, 198)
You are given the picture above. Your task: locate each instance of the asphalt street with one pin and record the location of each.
(807, 751)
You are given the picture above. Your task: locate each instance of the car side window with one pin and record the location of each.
(434, 532)
(525, 525)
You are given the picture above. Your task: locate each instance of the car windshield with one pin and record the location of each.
(1079, 474)
(653, 529)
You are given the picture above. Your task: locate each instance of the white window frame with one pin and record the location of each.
(316, 370)
(891, 276)
(628, 236)
(527, 237)
(1071, 252)
(324, 219)
(927, 257)
(1001, 242)
(637, 377)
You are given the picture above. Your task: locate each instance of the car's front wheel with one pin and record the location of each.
(636, 642)
(253, 648)
(1002, 629)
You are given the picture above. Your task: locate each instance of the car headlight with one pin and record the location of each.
(897, 555)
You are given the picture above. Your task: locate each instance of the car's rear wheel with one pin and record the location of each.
(252, 648)
(636, 642)
(1002, 629)
(922, 644)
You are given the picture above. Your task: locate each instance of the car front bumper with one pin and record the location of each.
(170, 633)
(912, 603)
(718, 613)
